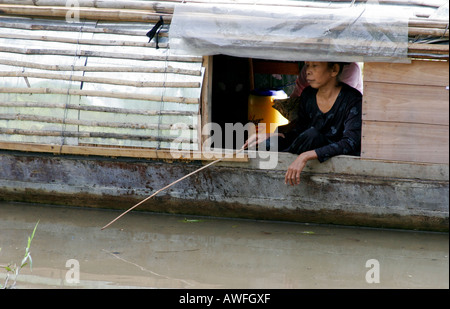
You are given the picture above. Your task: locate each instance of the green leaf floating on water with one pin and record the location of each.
(191, 220)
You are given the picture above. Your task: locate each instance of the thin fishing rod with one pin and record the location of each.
(168, 186)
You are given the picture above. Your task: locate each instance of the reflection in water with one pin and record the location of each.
(164, 251)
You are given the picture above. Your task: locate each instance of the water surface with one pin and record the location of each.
(147, 250)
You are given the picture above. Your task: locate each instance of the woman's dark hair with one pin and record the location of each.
(341, 67)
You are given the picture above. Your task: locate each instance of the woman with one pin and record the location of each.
(328, 124)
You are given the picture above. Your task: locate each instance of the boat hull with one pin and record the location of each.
(343, 190)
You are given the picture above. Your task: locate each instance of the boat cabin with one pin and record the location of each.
(104, 102)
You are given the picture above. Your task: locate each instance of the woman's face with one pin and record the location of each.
(318, 74)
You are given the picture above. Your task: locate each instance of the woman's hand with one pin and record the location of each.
(292, 176)
(255, 139)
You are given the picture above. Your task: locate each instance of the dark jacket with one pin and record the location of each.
(340, 126)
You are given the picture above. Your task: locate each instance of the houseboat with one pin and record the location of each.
(103, 103)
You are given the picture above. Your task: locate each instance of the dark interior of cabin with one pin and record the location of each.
(230, 90)
(234, 79)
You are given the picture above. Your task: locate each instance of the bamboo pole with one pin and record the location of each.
(81, 41)
(69, 68)
(151, 6)
(95, 93)
(87, 123)
(76, 27)
(439, 33)
(101, 109)
(427, 23)
(99, 80)
(88, 53)
(118, 15)
(13, 131)
(429, 48)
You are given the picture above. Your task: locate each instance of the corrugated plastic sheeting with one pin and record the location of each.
(359, 33)
(191, 110)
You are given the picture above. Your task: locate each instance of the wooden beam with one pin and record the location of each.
(142, 153)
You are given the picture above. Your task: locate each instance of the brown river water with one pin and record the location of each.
(148, 250)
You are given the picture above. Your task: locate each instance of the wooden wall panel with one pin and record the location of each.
(405, 142)
(406, 112)
(406, 103)
(418, 72)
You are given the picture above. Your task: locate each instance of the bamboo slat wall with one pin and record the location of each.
(94, 83)
(406, 112)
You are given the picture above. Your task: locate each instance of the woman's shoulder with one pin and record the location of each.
(350, 91)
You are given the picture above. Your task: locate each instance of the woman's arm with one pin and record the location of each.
(292, 176)
(255, 139)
